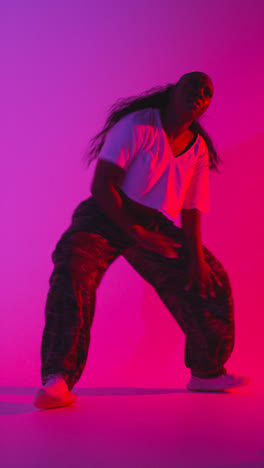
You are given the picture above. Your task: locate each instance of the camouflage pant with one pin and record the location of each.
(81, 257)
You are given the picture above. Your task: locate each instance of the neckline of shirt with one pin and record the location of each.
(167, 141)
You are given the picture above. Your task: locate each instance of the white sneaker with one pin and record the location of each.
(223, 382)
(54, 394)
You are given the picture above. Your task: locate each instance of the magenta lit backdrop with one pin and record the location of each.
(64, 64)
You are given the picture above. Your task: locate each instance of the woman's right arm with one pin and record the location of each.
(107, 177)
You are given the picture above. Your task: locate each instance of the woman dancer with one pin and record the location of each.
(153, 163)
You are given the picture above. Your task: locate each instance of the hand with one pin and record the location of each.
(160, 243)
(201, 276)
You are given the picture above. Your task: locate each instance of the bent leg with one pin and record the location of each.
(207, 323)
(79, 266)
(81, 257)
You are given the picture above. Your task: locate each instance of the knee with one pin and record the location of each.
(223, 276)
(219, 270)
(62, 251)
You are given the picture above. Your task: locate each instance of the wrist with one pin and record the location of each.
(139, 232)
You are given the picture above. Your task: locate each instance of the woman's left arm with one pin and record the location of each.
(191, 225)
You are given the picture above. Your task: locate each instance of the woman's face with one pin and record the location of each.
(192, 94)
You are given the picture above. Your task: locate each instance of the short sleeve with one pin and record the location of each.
(120, 142)
(197, 194)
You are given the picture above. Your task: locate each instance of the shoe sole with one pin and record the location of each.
(43, 400)
(210, 387)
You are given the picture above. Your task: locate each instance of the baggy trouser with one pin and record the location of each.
(81, 257)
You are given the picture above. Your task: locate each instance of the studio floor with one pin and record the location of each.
(130, 427)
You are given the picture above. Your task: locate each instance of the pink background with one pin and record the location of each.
(64, 63)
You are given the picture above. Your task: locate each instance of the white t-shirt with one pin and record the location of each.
(154, 177)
